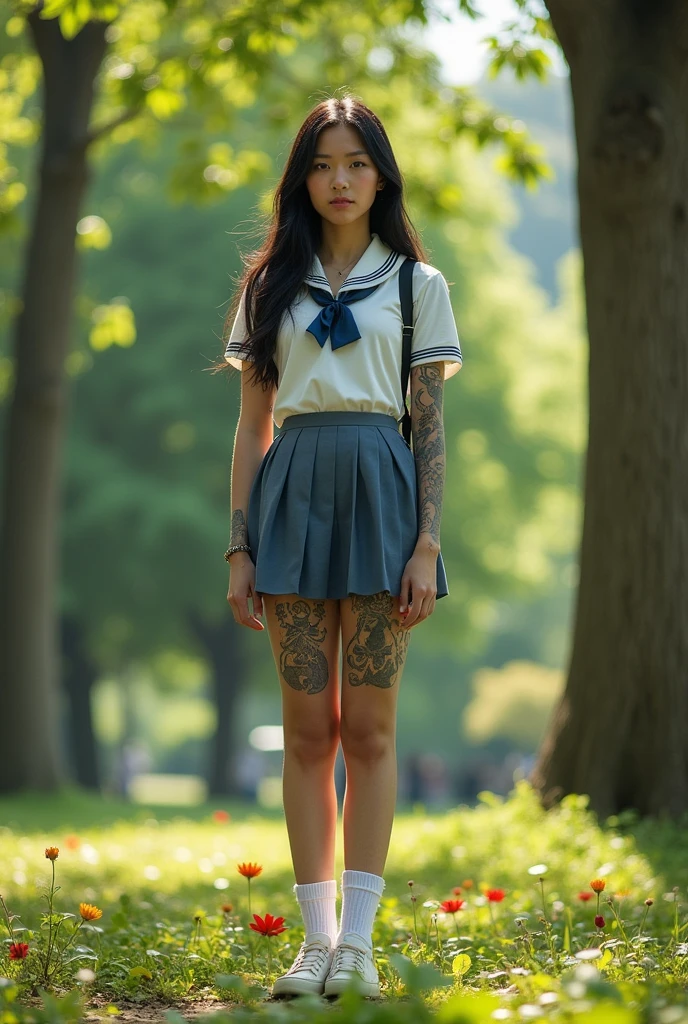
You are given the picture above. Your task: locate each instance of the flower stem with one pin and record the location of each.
(620, 924)
(50, 925)
(250, 937)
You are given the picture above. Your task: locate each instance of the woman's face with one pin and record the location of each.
(341, 166)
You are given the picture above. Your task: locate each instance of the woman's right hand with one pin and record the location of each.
(242, 580)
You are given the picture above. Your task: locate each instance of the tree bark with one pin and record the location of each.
(32, 755)
(619, 731)
(79, 675)
(226, 650)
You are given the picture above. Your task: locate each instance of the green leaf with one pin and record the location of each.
(417, 977)
(461, 964)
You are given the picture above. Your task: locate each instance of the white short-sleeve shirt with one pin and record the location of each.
(363, 375)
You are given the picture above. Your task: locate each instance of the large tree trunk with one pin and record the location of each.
(619, 732)
(226, 649)
(29, 738)
(79, 674)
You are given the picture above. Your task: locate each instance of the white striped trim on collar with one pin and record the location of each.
(376, 264)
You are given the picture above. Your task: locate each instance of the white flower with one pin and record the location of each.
(538, 869)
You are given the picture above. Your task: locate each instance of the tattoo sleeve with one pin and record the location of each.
(239, 530)
(427, 384)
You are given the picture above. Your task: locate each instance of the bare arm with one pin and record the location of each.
(254, 435)
(420, 574)
(427, 392)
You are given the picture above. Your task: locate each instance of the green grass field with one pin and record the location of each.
(161, 878)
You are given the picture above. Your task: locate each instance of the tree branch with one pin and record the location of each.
(105, 129)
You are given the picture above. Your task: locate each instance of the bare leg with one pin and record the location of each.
(374, 654)
(304, 635)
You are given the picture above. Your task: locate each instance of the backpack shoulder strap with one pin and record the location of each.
(406, 300)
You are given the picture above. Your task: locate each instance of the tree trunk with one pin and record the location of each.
(32, 754)
(80, 673)
(619, 732)
(226, 649)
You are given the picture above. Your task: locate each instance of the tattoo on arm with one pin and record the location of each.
(428, 444)
(239, 530)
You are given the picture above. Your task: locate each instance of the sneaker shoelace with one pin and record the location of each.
(310, 957)
(348, 958)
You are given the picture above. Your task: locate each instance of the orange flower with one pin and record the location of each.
(268, 925)
(89, 912)
(52, 852)
(220, 815)
(597, 884)
(226, 908)
(72, 842)
(451, 906)
(621, 893)
(467, 883)
(584, 896)
(18, 950)
(495, 895)
(249, 870)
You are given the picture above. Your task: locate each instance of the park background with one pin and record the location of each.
(156, 681)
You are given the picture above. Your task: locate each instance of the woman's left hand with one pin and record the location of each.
(420, 578)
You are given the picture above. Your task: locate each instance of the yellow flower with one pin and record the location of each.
(52, 852)
(89, 912)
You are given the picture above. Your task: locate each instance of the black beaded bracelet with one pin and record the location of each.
(236, 547)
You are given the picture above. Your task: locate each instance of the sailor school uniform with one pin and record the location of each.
(343, 352)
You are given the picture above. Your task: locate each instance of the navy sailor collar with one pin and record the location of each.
(376, 264)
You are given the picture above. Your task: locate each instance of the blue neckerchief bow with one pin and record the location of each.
(336, 319)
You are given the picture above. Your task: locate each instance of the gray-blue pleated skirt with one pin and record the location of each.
(333, 508)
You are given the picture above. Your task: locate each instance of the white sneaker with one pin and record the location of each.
(310, 968)
(353, 957)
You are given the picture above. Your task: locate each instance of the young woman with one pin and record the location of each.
(335, 530)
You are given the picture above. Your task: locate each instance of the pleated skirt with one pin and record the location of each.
(333, 509)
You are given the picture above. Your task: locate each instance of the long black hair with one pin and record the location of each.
(273, 275)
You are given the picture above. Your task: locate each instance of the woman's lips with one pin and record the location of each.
(341, 202)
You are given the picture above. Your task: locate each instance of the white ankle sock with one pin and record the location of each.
(361, 892)
(318, 904)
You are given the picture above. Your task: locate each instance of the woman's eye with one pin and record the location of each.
(318, 166)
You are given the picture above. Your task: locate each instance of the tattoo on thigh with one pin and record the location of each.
(302, 662)
(376, 651)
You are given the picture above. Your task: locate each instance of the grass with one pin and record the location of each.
(162, 876)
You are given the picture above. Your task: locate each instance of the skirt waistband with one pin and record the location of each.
(344, 417)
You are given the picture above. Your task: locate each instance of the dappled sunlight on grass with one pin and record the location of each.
(490, 902)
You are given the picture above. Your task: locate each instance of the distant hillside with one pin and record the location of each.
(548, 224)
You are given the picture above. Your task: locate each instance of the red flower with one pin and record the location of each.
(584, 896)
(598, 884)
(220, 815)
(451, 906)
(599, 921)
(268, 925)
(457, 890)
(249, 870)
(18, 950)
(495, 895)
